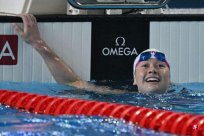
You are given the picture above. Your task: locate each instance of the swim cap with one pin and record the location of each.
(147, 54)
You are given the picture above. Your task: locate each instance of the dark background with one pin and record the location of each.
(104, 33)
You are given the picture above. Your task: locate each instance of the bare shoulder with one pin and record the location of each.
(81, 84)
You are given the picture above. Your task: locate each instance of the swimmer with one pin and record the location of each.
(151, 70)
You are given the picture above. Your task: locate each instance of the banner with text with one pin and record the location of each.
(8, 49)
(115, 44)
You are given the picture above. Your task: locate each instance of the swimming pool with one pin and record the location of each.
(15, 122)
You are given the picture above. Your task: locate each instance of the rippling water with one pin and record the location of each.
(15, 122)
(20, 123)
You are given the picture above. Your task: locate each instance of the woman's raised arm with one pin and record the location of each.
(62, 72)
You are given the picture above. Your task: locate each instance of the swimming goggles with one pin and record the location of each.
(148, 54)
(152, 54)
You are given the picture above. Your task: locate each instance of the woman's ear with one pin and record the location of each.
(135, 82)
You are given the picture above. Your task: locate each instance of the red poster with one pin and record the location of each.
(8, 49)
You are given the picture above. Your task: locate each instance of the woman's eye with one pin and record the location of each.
(145, 65)
(161, 65)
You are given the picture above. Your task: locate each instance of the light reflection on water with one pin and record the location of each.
(14, 122)
(17, 123)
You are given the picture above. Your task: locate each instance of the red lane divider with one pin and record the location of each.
(159, 120)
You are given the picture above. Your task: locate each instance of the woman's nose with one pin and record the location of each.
(152, 69)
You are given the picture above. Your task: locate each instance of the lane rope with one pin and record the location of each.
(158, 120)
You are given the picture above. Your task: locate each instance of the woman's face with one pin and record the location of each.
(152, 76)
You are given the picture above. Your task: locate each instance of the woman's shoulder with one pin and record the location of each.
(95, 87)
(81, 84)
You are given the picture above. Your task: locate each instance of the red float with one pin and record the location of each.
(159, 120)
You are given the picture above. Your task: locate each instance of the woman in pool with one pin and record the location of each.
(151, 69)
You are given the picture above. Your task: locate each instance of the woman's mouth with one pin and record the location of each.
(152, 79)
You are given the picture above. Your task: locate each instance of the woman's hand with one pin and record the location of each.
(30, 32)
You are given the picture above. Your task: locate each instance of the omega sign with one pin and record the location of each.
(120, 49)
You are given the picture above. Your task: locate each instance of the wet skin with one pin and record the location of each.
(152, 76)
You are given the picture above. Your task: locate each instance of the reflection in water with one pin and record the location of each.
(15, 122)
(21, 123)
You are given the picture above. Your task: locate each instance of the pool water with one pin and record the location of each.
(13, 122)
(16, 122)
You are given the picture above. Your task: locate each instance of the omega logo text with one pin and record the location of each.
(120, 49)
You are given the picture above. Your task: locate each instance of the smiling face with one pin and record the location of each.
(152, 76)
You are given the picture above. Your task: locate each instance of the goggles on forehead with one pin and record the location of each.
(144, 56)
(148, 55)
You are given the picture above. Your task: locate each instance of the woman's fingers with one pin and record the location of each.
(33, 18)
(29, 31)
(18, 29)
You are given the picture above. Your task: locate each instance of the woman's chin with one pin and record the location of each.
(152, 89)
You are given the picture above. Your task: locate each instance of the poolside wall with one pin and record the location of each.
(184, 44)
(72, 39)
